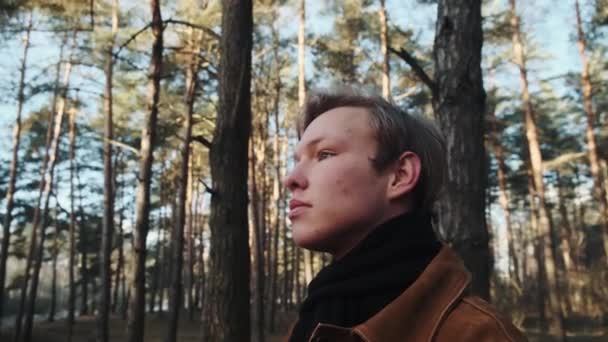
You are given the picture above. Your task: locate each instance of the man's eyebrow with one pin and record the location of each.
(308, 145)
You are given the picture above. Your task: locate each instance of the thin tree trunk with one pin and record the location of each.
(302, 97)
(458, 102)
(555, 315)
(55, 254)
(203, 275)
(198, 236)
(566, 232)
(540, 265)
(44, 212)
(177, 233)
(563, 242)
(164, 251)
(302, 54)
(84, 278)
(277, 196)
(227, 294)
(120, 260)
(156, 274)
(258, 228)
(84, 268)
(103, 315)
(503, 197)
(189, 239)
(599, 190)
(72, 229)
(386, 81)
(137, 303)
(6, 225)
(296, 274)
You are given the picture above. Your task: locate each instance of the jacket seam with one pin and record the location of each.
(361, 334)
(492, 316)
(446, 309)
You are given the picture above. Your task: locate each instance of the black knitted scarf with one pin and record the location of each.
(352, 289)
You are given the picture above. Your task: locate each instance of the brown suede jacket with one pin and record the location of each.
(434, 308)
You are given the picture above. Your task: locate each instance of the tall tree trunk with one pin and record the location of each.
(156, 274)
(277, 192)
(554, 315)
(6, 225)
(164, 253)
(302, 54)
(107, 230)
(534, 238)
(72, 229)
(84, 277)
(177, 233)
(44, 211)
(503, 197)
(55, 254)
(203, 275)
(565, 233)
(258, 232)
(84, 260)
(226, 312)
(189, 236)
(296, 274)
(599, 189)
(137, 303)
(459, 101)
(386, 81)
(120, 262)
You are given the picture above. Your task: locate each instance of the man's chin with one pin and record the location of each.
(311, 243)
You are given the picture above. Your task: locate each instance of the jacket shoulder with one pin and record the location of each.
(474, 319)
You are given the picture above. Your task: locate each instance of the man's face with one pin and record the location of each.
(337, 195)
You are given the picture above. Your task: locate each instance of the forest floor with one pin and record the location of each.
(84, 330)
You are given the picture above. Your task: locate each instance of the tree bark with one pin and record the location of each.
(103, 314)
(386, 81)
(183, 198)
(599, 190)
(137, 302)
(554, 315)
(459, 103)
(6, 225)
(226, 312)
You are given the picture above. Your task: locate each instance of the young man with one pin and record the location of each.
(365, 177)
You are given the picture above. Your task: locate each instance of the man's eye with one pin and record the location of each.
(323, 155)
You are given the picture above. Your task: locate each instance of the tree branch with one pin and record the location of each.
(125, 146)
(132, 38)
(207, 188)
(196, 26)
(418, 70)
(202, 140)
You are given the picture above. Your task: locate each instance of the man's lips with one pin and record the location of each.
(293, 204)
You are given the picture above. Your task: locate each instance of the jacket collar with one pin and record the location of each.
(417, 313)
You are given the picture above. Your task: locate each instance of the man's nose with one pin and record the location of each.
(294, 179)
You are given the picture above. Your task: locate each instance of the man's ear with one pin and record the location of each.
(405, 175)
